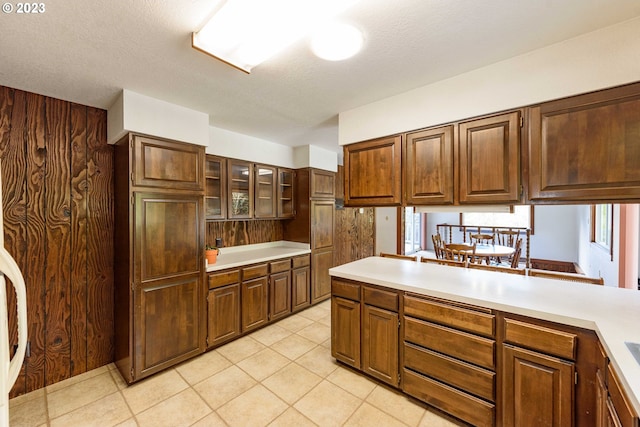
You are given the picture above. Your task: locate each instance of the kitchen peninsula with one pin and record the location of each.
(488, 347)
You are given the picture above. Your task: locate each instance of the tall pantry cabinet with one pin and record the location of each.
(159, 265)
(314, 223)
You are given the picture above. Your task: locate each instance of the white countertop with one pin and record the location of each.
(613, 313)
(237, 256)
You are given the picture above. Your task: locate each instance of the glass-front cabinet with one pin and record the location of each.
(240, 189)
(215, 188)
(285, 197)
(265, 201)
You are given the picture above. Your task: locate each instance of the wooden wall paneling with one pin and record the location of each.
(236, 233)
(36, 238)
(78, 128)
(13, 154)
(58, 241)
(100, 230)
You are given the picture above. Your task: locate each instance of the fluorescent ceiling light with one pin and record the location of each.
(244, 33)
(336, 42)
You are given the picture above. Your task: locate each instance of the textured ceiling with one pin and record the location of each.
(87, 51)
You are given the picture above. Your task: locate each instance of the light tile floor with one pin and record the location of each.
(281, 375)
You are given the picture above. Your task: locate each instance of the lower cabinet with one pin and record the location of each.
(300, 282)
(345, 331)
(321, 281)
(279, 295)
(224, 314)
(253, 296)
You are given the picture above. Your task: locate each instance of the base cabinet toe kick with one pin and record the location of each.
(483, 366)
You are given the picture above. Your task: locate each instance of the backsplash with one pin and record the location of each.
(236, 233)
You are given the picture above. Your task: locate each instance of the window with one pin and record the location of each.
(412, 230)
(602, 226)
(520, 216)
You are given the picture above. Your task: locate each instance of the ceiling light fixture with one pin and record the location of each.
(244, 33)
(336, 42)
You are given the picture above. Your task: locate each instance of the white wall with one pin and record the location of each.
(593, 259)
(386, 219)
(600, 59)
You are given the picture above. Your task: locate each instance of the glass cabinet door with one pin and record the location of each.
(240, 185)
(265, 192)
(215, 190)
(285, 193)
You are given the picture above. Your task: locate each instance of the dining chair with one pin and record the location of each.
(571, 277)
(508, 237)
(460, 252)
(482, 238)
(437, 245)
(441, 261)
(500, 268)
(398, 256)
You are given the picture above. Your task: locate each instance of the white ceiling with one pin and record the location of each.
(87, 51)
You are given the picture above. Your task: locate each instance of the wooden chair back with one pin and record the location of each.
(508, 238)
(482, 238)
(443, 262)
(460, 252)
(515, 258)
(571, 277)
(437, 245)
(398, 256)
(520, 271)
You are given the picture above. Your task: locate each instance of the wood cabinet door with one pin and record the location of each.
(224, 314)
(300, 288)
(372, 172)
(428, 166)
(321, 262)
(265, 191)
(538, 390)
(322, 224)
(489, 159)
(255, 306)
(167, 164)
(279, 295)
(380, 344)
(323, 184)
(239, 189)
(215, 195)
(345, 331)
(286, 193)
(586, 147)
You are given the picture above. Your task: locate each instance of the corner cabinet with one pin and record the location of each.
(159, 266)
(586, 147)
(372, 173)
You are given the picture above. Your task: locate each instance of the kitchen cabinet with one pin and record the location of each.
(240, 186)
(300, 283)
(428, 166)
(372, 173)
(489, 159)
(586, 147)
(215, 200)
(265, 191)
(345, 322)
(159, 222)
(286, 193)
(620, 412)
(380, 326)
(253, 295)
(314, 223)
(223, 303)
(279, 289)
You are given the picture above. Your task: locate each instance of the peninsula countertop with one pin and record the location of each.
(613, 313)
(237, 256)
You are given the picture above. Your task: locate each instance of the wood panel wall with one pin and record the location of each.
(236, 233)
(354, 237)
(57, 185)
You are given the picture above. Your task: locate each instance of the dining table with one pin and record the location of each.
(488, 252)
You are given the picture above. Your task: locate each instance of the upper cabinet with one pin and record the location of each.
(323, 184)
(428, 166)
(167, 164)
(215, 188)
(489, 159)
(286, 191)
(372, 173)
(586, 147)
(240, 189)
(265, 191)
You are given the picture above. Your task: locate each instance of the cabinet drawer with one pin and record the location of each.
(461, 345)
(477, 381)
(380, 298)
(623, 408)
(346, 290)
(455, 402)
(455, 316)
(280, 266)
(301, 261)
(255, 271)
(545, 340)
(223, 278)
